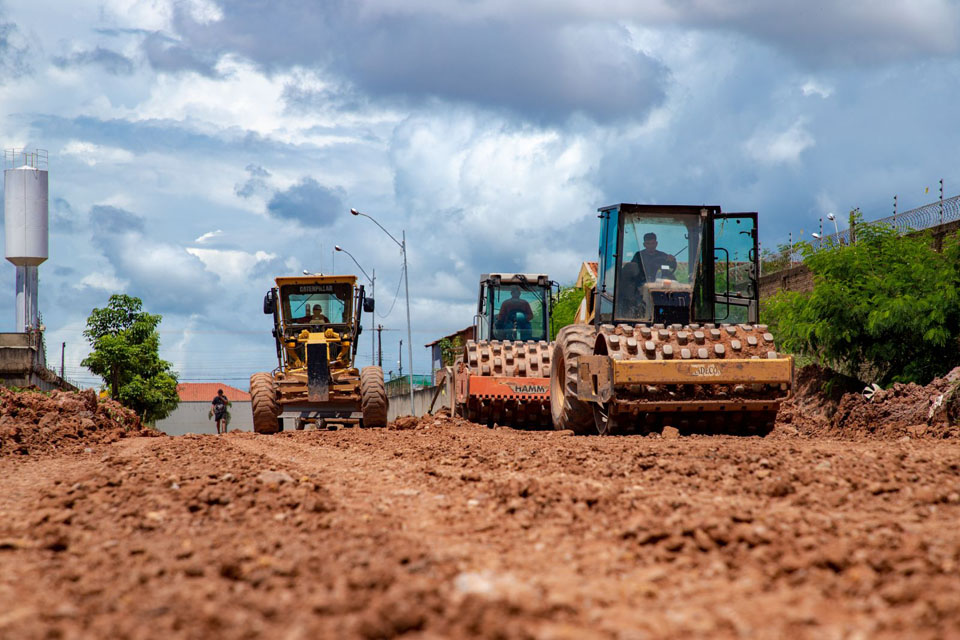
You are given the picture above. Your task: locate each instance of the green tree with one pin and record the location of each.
(126, 354)
(450, 348)
(565, 308)
(883, 310)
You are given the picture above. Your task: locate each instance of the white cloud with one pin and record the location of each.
(782, 147)
(814, 87)
(230, 265)
(209, 235)
(104, 281)
(93, 154)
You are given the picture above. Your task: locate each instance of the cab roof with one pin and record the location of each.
(541, 279)
(351, 280)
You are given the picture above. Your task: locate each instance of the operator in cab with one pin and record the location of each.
(317, 316)
(514, 311)
(653, 260)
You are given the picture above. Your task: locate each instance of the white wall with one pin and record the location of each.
(191, 417)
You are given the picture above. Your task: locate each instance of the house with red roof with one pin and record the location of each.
(192, 414)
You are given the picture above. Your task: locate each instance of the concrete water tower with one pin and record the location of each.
(26, 221)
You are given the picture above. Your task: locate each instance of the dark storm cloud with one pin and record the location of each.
(538, 68)
(114, 220)
(308, 202)
(111, 61)
(828, 33)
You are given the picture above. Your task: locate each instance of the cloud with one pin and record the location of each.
(781, 147)
(111, 61)
(209, 235)
(231, 265)
(256, 183)
(114, 220)
(167, 55)
(93, 154)
(542, 69)
(13, 52)
(815, 88)
(307, 202)
(167, 277)
(63, 219)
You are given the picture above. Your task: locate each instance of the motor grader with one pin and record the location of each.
(670, 336)
(316, 322)
(503, 375)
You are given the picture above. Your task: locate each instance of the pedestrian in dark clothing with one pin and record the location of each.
(219, 404)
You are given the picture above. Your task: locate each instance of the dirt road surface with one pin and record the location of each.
(450, 530)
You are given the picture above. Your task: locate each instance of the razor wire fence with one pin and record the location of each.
(928, 216)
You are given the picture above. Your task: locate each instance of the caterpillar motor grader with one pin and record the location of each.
(503, 375)
(316, 322)
(671, 333)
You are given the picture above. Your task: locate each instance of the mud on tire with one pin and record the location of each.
(567, 412)
(373, 397)
(263, 401)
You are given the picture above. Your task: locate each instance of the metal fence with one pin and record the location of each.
(925, 217)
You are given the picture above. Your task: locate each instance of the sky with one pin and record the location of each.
(200, 148)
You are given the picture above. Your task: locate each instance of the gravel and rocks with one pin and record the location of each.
(440, 528)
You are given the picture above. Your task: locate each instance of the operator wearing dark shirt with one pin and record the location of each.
(653, 260)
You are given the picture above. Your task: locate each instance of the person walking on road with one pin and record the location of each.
(219, 408)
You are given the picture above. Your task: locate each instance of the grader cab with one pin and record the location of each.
(316, 322)
(670, 334)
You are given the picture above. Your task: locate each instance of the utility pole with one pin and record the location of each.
(373, 316)
(400, 361)
(380, 346)
(63, 350)
(894, 211)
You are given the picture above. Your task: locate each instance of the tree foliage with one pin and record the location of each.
(565, 308)
(450, 348)
(884, 309)
(126, 354)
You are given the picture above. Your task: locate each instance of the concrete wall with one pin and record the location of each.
(21, 364)
(191, 417)
(422, 397)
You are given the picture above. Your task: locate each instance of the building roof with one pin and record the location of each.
(204, 392)
(465, 333)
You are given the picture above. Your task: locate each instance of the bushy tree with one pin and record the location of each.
(126, 354)
(884, 309)
(450, 348)
(565, 308)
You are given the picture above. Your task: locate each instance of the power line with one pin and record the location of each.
(397, 294)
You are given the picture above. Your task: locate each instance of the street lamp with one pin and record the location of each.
(373, 289)
(406, 288)
(833, 219)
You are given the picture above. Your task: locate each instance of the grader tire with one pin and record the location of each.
(373, 397)
(263, 400)
(566, 410)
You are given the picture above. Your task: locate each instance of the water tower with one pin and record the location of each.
(25, 220)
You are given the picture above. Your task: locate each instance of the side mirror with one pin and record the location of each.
(368, 305)
(268, 303)
(359, 329)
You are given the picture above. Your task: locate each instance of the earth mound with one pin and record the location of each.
(40, 423)
(829, 404)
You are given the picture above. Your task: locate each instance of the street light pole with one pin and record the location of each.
(373, 289)
(406, 288)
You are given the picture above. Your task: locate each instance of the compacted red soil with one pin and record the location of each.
(443, 529)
